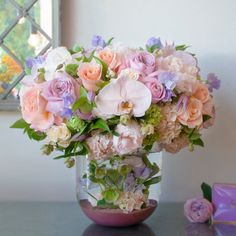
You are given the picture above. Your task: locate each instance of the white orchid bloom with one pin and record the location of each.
(123, 96)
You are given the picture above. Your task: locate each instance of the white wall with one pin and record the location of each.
(209, 26)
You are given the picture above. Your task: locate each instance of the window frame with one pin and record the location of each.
(14, 105)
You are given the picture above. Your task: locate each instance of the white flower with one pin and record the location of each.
(55, 58)
(130, 73)
(59, 134)
(123, 96)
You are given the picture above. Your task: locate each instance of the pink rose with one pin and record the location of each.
(198, 210)
(209, 109)
(90, 75)
(33, 108)
(202, 93)
(129, 139)
(156, 88)
(56, 91)
(192, 115)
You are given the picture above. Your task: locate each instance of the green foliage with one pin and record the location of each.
(110, 195)
(153, 180)
(71, 69)
(32, 134)
(109, 41)
(181, 47)
(206, 118)
(149, 140)
(152, 116)
(99, 124)
(83, 103)
(104, 67)
(207, 191)
(152, 48)
(76, 124)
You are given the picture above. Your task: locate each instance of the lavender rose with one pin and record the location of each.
(156, 88)
(143, 62)
(56, 93)
(198, 210)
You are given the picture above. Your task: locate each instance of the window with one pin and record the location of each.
(27, 28)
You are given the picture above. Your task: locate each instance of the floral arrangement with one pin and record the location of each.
(116, 104)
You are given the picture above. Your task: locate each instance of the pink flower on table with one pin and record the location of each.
(56, 90)
(156, 88)
(33, 108)
(192, 115)
(198, 210)
(123, 96)
(130, 138)
(202, 93)
(143, 62)
(90, 75)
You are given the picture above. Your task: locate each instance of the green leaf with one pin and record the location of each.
(110, 195)
(194, 136)
(198, 142)
(104, 67)
(38, 136)
(100, 124)
(152, 48)
(113, 175)
(207, 191)
(206, 118)
(89, 59)
(83, 92)
(181, 47)
(109, 41)
(71, 69)
(153, 180)
(77, 48)
(125, 169)
(20, 124)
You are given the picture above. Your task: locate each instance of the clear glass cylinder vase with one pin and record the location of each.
(112, 191)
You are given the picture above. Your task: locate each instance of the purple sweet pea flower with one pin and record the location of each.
(168, 79)
(68, 101)
(168, 96)
(198, 210)
(129, 183)
(84, 116)
(213, 82)
(91, 96)
(183, 101)
(142, 172)
(153, 41)
(98, 41)
(34, 61)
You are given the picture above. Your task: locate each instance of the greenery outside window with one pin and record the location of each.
(28, 28)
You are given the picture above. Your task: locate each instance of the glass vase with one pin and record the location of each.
(118, 191)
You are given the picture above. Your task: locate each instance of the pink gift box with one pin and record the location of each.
(224, 203)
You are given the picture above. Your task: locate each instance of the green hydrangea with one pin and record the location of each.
(153, 115)
(149, 140)
(75, 123)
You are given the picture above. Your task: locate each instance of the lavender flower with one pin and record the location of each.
(168, 79)
(154, 42)
(142, 172)
(98, 41)
(213, 82)
(31, 61)
(129, 183)
(168, 96)
(183, 101)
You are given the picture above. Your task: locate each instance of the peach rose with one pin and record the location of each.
(33, 108)
(114, 59)
(209, 109)
(106, 55)
(202, 93)
(90, 75)
(192, 115)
